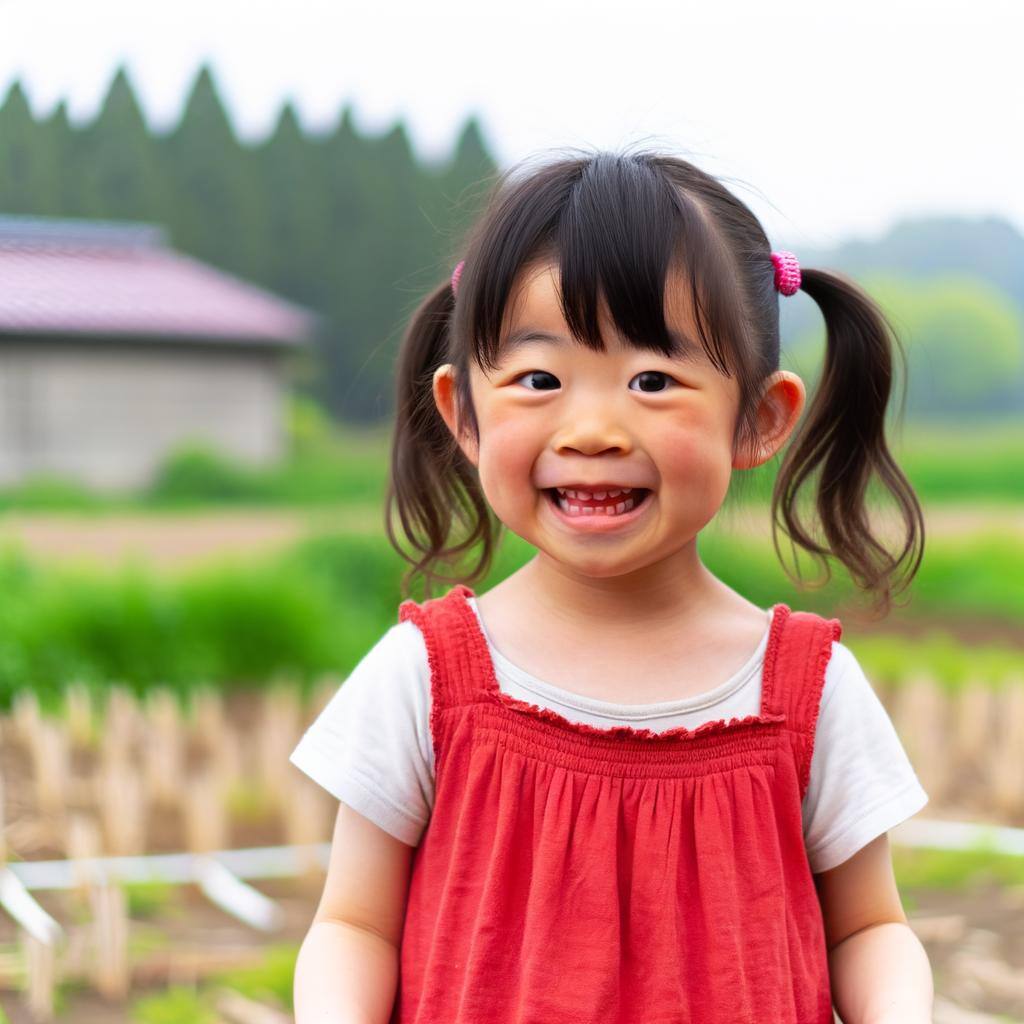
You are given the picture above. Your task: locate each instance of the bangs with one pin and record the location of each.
(619, 232)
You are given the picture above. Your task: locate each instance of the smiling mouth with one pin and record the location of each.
(577, 507)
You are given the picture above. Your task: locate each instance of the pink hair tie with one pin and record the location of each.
(456, 274)
(787, 272)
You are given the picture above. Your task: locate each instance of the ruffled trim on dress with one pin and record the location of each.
(780, 612)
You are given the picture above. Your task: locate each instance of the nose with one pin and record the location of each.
(591, 432)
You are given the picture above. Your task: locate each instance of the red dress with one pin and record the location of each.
(613, 876)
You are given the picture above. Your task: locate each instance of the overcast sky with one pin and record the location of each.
(830, 122)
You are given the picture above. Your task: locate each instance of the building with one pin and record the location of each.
(114, 349)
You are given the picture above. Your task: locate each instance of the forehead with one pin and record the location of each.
(534, 316)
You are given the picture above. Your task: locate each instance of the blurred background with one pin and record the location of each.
(215, 219)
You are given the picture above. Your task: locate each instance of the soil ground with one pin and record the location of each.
(171, 539)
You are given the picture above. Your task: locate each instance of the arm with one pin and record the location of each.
(347, 968)
(879, 970)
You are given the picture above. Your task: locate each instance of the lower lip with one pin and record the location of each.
(600, 522)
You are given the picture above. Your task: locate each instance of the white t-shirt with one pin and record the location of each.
(371, 745)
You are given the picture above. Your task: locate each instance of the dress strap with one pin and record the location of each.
(797, 675)
(457, 664)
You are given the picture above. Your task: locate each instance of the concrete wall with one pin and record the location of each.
(105, 413)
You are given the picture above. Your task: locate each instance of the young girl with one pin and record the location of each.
(610, 789)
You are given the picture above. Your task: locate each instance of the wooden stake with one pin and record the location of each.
(279, 731)
(973, 724)
(110, 973)
(206, 716)
(1005, 762)
(121, 799)
(122, 719)
(83, 846)
(41, 963)
(51, 764)
(920, 720)
(26, 715)
(78, 711)
(322, 694)
(206, 822)
(163, 752)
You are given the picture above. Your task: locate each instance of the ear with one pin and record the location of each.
(447, 406)
(778, 410)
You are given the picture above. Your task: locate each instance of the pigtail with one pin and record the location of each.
(432, 484)
(843, 433)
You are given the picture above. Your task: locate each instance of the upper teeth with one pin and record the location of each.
(596, 495)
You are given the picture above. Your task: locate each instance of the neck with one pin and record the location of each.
(673, 590)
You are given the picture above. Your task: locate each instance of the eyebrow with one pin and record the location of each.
(687, 349)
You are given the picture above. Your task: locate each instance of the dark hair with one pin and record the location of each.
(616, 224)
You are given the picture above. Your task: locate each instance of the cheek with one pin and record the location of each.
(695, 465)
(508, 452)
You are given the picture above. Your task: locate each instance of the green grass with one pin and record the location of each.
(270, 982)
(147, 899)
(918, 868)
(889, 659)
(315, 608)
(179, 1004)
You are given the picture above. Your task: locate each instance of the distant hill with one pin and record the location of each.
(956, 288)
(989, 247)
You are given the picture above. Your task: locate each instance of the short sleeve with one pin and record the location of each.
(370, 746)
(861, 781)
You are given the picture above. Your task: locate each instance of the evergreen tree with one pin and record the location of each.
(213, 208)
(115, 161)
(23, 158)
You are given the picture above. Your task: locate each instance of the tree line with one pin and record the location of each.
(351, 225)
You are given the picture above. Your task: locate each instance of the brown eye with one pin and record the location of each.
(542, 374)
(649, 380)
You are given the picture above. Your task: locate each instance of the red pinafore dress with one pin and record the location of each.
(577, 875)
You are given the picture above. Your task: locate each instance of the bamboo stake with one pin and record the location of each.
(206, 715)
(121, 800)
(83, 846)
(919, 717)
(322, 694)
(51, 764)
(972, 720)
(110, 973)
(163, 758)
(206, 823)
(1006, 763)
(227, 761)
(26, 715)
(41, 976)
(78, 711)
(122, 718)
(278, 732)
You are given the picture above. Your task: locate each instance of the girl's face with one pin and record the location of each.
(557, 414)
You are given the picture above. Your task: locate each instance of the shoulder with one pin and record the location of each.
(370, 746)
(843, 671)
(396, 667)
(845, 679)
(387, 691)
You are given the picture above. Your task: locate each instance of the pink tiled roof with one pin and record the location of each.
(82, 277)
